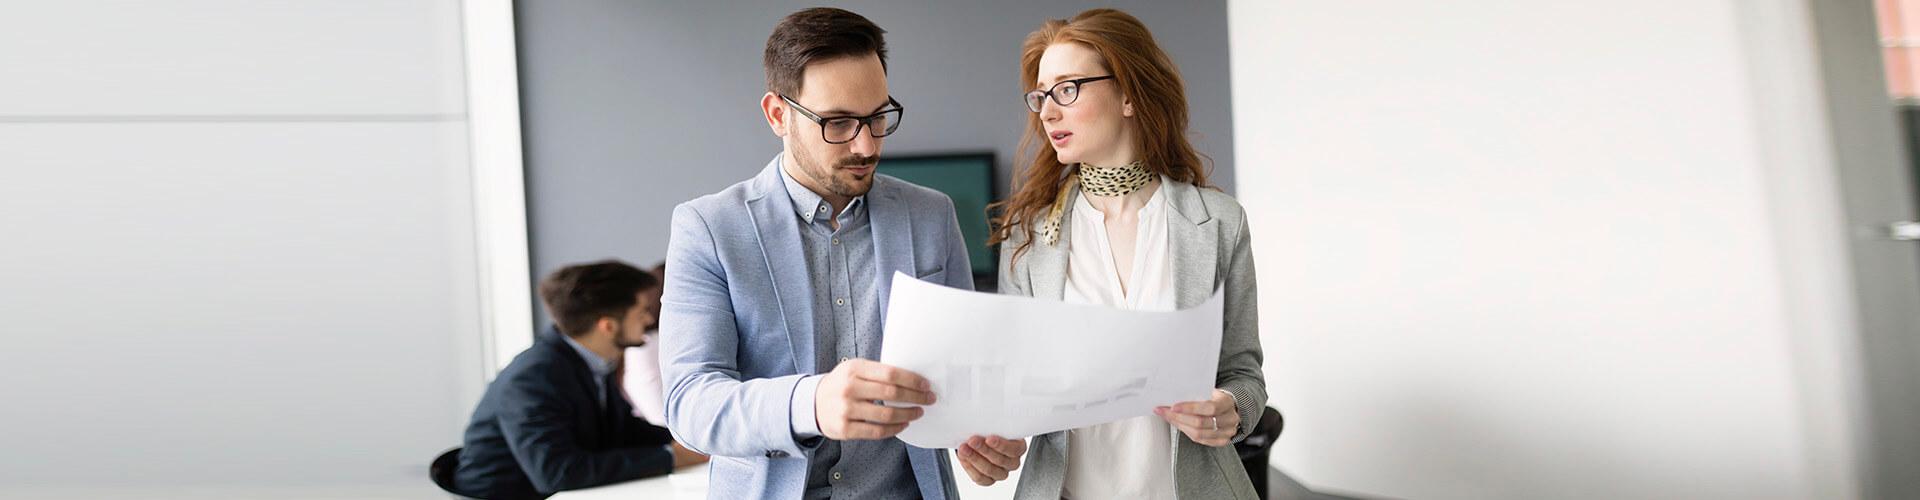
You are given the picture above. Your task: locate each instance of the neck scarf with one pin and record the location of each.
(1098, 181)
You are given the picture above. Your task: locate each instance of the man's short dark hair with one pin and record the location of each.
(577, 296)
(817, 34)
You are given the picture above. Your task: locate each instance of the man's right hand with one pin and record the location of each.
(846, 403)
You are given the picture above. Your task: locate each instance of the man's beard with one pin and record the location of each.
(831, 178)
(620, 339)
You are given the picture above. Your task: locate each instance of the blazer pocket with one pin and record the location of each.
(930, 275)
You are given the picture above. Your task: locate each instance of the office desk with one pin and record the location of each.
(689, 483)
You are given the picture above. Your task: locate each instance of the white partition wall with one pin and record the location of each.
(1547, 249)
(239, 254)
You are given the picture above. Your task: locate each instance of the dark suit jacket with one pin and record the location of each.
(540, 430)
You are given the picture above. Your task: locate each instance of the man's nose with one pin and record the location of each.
(865, 144)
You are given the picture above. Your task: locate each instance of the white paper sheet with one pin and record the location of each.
(1018, 366)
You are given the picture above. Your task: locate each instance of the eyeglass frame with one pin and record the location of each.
(865, 122)
(1050, 94)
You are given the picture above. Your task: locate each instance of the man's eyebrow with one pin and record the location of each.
(842, 113)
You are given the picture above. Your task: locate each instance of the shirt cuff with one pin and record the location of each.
(801, 416)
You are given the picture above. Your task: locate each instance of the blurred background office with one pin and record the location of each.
(1508, 249)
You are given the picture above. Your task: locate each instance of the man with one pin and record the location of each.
(777, 287)
(555, 419)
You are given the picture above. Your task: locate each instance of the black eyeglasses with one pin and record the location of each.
(842, 129)
(1063, 93)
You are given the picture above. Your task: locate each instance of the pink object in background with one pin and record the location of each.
(1899, 22)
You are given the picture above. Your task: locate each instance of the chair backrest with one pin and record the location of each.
(442, 470)
(1258, 446)
(1264, 433)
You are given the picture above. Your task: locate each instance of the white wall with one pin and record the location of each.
(1546, 249)
(239, 255)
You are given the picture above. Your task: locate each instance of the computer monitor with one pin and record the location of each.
(968, 179)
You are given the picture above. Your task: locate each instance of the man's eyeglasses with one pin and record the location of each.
(1063, 93)
(842, 129)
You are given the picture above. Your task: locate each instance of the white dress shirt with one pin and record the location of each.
(1130, 458)
(642, 381)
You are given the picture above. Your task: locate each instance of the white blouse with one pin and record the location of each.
(1130, 458)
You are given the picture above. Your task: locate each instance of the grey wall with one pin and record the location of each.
(632, 107)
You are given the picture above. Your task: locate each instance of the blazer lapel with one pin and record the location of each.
(1049, 266)
(892, 224)
(773, 221)
(1195, 245)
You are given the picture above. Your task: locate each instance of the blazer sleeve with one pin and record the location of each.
(709, 408)
(537, 429)
(1240, 357)
(636, 432)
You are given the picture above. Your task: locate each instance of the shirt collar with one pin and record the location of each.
(808, 204)
(600, 367)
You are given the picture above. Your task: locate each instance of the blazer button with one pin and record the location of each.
(776, 454)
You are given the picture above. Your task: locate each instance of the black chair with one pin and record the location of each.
(1258, 445)
(442, 472)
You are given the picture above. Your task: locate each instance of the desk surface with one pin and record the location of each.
(684, 484)
(691, 483)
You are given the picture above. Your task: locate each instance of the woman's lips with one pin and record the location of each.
(1060, 137)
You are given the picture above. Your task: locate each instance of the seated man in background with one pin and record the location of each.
(556, 418)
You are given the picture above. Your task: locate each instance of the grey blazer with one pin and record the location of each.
(1211, 250)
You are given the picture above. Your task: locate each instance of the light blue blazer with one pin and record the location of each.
(736, 324)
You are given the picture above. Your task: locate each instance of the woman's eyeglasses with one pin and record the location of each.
(1063, 93)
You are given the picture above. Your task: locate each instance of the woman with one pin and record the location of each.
(1116, 210)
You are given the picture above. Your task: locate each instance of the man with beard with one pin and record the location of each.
(555, 419)
(777, 288)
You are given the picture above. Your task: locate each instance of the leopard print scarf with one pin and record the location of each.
(1098, 181)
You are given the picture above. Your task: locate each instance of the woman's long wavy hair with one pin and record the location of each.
(1146, 77)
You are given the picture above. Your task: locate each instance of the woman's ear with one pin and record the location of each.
(1126, 108)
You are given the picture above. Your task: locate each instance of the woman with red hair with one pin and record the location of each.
(1114, 209)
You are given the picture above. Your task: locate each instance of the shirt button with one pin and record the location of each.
(839, 302)
(836, 241)
(836, 475)
(844, 359)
